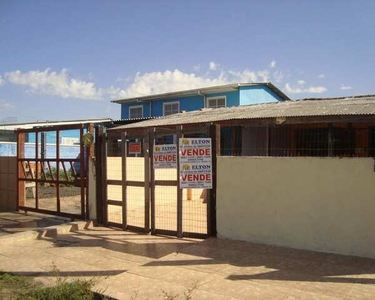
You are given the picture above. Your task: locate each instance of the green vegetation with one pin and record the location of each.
(14, 287)
(63, 177)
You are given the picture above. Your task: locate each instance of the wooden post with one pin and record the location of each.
(179, 190)
(214, 133)
(21, 195)
(124, 186)
(152, 177)
(58, 206)
(146, 151)
(99, 173)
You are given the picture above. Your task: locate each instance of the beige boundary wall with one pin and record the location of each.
(8, 183)
(322, 204)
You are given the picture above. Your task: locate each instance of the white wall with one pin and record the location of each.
(323, 204)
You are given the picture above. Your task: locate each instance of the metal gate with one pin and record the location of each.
(139, 197)
(52, 170)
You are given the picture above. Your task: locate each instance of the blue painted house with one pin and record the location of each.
(209, 97)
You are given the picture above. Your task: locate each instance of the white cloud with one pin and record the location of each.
(164, 82)
(53, 83)
(278, 76)
(244, 76)
(213, 66)
(2, 81)
(197, 67)
(345, 87)
(301, 82)
(273, 64)
(264, 75)
(321, 76)
(4, 104)
(310, 90)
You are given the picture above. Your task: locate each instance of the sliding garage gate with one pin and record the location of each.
(142, 198)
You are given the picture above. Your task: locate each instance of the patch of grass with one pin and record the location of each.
(76, 290)
(11, 285)
(14, 287)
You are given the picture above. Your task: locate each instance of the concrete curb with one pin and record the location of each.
(51, 231)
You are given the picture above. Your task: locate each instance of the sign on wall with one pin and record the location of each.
(165, 156)
(195, 163)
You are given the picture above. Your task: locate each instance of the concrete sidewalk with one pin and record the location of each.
(136, 266)
(14, 222)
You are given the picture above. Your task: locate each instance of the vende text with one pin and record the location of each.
(196, 177)
(195, 152)
(168, 157)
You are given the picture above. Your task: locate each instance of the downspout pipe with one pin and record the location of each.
(204, 98)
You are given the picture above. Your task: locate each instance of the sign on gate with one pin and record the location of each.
(135, 148)
(165, 156)
(195, 163)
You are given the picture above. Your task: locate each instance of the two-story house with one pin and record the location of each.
(228, 95)
(209, 97)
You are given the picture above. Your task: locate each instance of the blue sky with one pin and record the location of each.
(62, 60)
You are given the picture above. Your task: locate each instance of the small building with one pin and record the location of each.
(229, 95)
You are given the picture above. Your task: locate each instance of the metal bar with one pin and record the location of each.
(20, 185)
(152, 178)
(123, 182)
(179, 190)
(36, 171)
(50, 212)
(166, 182)
(83, 173)
(50, 170)
(114, 202)
(194, 235)
(98, 172)
(114, 182)
(103, 183)
(58, 204)
(165, 232)
(211, 205)
(146, 147)
(45, 181)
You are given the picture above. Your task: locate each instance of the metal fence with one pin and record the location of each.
(314, 140)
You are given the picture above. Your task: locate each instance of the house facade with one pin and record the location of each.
(212, 97)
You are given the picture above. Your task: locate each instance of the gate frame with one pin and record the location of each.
(149, 134)
(83, 181)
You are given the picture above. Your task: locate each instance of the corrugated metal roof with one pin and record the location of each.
(14, 126)
(358, 105)
(202, 91)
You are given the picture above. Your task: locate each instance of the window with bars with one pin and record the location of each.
(216, 102)
(135, 112)
(171, 108)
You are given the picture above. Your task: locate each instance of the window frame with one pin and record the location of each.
(208, 99)
(135, 107)
(171, 103)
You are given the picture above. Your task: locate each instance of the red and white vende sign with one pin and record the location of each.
(165, 156)
(195, 163)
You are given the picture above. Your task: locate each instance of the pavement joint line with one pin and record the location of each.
(50, 231)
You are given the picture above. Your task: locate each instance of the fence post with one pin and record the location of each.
(214, 134)
(146, 146)
(124, 154)
(152, 178)
(179, 190)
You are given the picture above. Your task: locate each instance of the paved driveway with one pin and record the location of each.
(136, 266)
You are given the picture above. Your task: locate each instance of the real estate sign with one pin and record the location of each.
(165, 156)
(195, 163)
